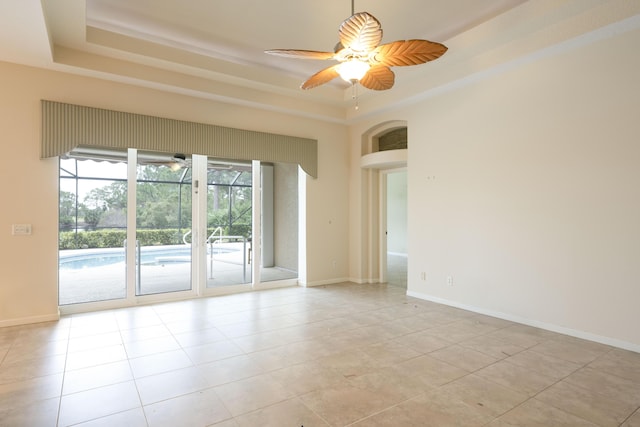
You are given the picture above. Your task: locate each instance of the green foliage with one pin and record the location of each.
(218, 218)
(163, 199)
(116, 238)
(163, 173)
(112, 196)
(113, 218)
(92, 217)
(240, 230)
(240, 220)
(92, 239)
(163, 205)
(67, 209)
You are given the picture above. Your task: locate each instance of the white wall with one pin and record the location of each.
(28, 264)
(525, 188)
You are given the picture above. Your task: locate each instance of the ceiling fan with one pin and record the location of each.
(175, 162)
(362, 59)
(180, 161)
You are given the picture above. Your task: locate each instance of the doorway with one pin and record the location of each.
(396, 227)
(163, 212)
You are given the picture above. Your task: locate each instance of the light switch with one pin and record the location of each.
(21, 229)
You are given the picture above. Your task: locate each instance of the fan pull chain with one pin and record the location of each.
(354, 95)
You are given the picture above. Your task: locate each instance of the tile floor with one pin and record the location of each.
(361, 355)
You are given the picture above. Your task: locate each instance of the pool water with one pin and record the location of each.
(90, 258)
(77, 263)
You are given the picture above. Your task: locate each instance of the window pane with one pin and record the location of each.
(229, 227)
(163, 229)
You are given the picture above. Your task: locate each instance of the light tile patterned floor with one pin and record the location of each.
(361, 355)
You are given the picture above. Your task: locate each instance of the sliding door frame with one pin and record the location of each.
(199, 246)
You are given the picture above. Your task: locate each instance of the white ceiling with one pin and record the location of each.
(215, 48)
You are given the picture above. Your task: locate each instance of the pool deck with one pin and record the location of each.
(107, 282)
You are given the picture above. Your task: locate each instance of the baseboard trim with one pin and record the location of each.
(287, 283)
(363, 281)
(324, 282)
(530, 322)
(30, 320)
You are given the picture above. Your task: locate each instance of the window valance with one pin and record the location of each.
(67, 126)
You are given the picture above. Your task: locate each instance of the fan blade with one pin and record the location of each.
(379, 77)
(407, 52)
(304, 54)
(360, 33)
(321, 77)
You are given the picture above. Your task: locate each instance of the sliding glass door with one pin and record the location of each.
(163, 224)
(92, 230)
(96, 211)
(229, 220)
(144, 225)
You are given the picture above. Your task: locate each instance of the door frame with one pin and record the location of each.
(198, 247)
(383, 213)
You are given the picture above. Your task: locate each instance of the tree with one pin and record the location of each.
(92, 217)
(112, 196)
(161, 205)
(67, 210)
(113, 218)
(98, 201)
(163, 200)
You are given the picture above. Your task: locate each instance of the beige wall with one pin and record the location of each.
(524, 187)
(28, 264)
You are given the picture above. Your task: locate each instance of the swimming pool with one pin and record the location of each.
(76, 259)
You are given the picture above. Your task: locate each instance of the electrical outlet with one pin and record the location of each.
(449, 280)
(423, 276)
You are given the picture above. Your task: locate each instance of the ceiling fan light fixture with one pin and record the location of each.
(362, 59)
(353, 70)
